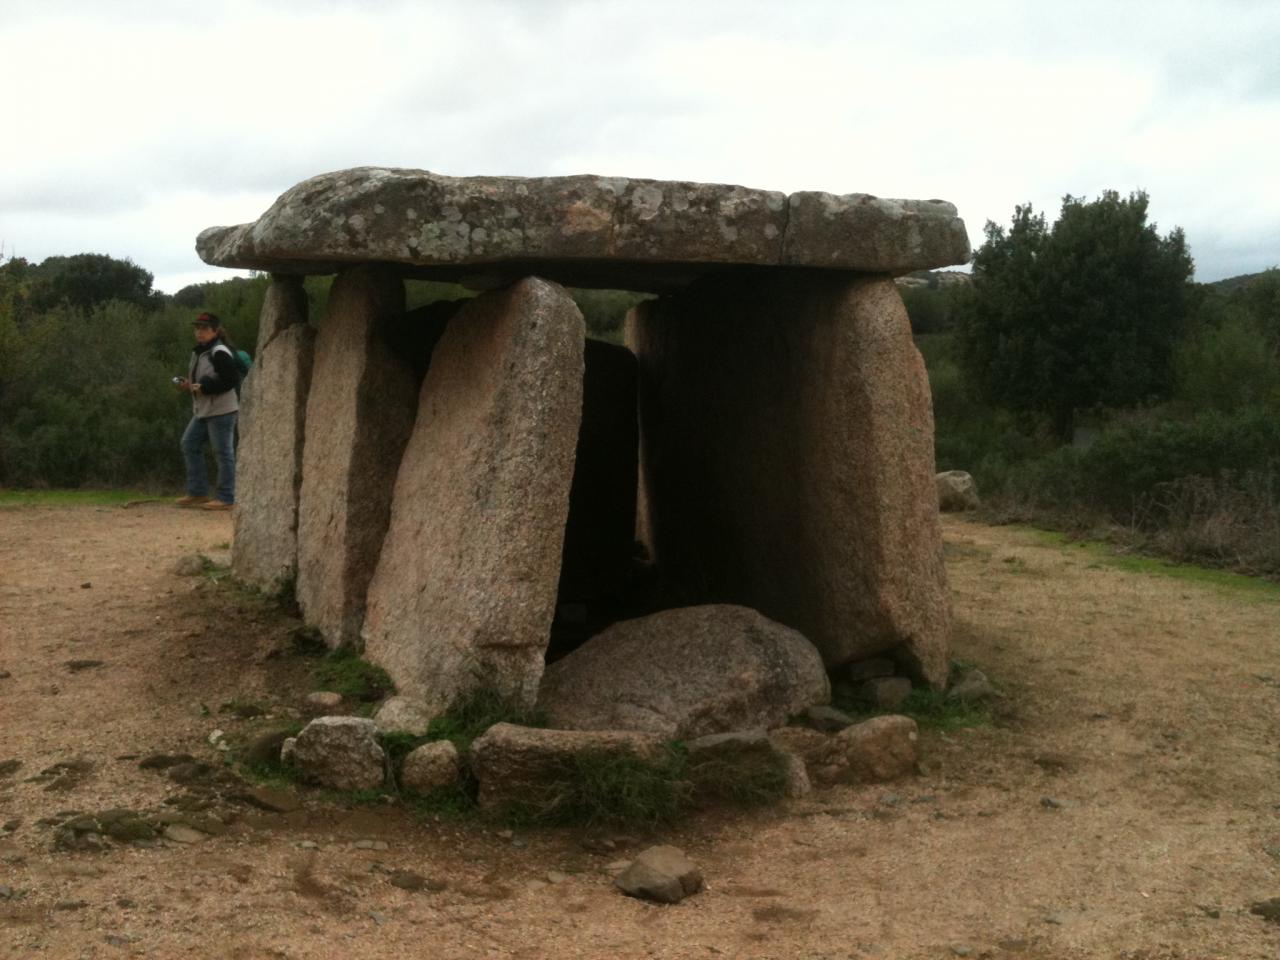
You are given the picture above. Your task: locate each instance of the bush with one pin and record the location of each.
(1229, 366)
(1232, 520)
(86, 398)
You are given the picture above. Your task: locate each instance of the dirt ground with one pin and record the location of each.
(1125, 803)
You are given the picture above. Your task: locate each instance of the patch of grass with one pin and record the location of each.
(1109, 555)
(68, 498)
(242, 709)
(752, 779)
(607, 788)
(307, 642)
(354, 798)
(445, 803)
(355, 678)
(624, 789)
(475, 713)
(929, 708)
(397, 746)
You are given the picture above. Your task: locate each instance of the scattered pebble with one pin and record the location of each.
(1268, 910)
(70, 905)
(6, 893)
(5, 674)
(75, 666)
(408, 880)
(180, 833)
(1049, 803)
(86, 585)
(556, 876)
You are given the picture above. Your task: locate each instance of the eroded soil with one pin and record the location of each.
(1125, 803)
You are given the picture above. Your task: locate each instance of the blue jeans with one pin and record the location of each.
(221, 433)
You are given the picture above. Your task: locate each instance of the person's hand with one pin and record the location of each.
(195, 388)
(183, 384)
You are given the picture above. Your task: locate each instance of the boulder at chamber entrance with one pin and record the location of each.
(456, 484)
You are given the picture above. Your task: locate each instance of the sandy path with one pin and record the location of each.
(1142, 705)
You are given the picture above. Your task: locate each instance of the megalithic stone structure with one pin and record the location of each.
(785, 436)
(273, 407)
(465, 588)
(789, 459)
(359, 415)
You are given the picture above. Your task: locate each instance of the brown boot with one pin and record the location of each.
(215, 505)
(191, 501)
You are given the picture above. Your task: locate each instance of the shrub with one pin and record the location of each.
(1229, 366)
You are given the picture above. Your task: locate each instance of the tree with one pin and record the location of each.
(88, 279)
(1082, 314)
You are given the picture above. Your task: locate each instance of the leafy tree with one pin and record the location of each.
(1082, 314)
(88, 279)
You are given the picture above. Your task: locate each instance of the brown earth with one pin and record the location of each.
(1146, 707)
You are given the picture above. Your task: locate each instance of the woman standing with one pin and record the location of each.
(211, 379)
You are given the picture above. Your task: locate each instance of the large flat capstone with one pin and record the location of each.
(588, 231)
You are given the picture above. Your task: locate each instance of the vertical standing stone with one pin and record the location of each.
(465, 589)
(359, 415)
(273, 406)
(788, 457)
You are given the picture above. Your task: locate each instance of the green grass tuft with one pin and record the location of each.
(444, 803)
(753, 779)
(1255, 588)
(607, 788)
(356, 679)
(69, 498)
(929, 708)
(623, 789)
(477, 712)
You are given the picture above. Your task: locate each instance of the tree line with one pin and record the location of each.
(88, 346)
(1086, 381)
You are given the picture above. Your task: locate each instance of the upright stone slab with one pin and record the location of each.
(273, 407)
(359, 415)
(465, 589)
(788, 457)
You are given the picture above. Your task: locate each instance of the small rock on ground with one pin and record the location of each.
(192, 565)
(403, 715)
(1268, 910)
(886, 693)
(971, 688)
(663, 874)
(321, 702)
(827, 719)
(861, 670)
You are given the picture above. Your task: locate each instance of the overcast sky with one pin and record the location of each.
(130, 126)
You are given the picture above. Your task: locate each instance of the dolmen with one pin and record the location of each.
(447, 487)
